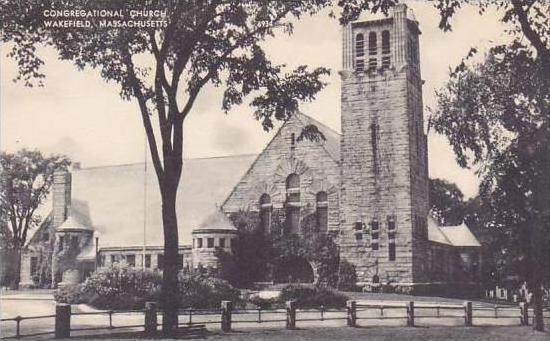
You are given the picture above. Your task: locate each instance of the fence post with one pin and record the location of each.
(410, 314)
(524, 310)
(150, 318)
(468, 314)
(18, 326)
(62, 321)
(291, 314)
(352, 313)
(227, 307)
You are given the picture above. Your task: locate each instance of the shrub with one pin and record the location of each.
(264, 303)
(117, 302)
(70, 294)
(200, 291)
(347, 276)
(122, 287)
(313, 297)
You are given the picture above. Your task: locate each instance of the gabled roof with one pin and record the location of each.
(332, 137)
(435, 234)
(460, 236)
(114, 198)
(331, 145)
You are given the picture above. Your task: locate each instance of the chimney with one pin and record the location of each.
(61, 196)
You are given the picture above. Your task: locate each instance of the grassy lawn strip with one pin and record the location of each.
(370, 333)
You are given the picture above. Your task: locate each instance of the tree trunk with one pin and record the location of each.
(16, 269)
(170, 267)
(538, 318)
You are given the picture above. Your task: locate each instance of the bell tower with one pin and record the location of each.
(384, 167)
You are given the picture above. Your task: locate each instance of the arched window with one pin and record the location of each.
(385, 42)
(293, 203)
(359, 52)
(374, 144)
(373, 59)
(265, 213)
(372, 44)
(386, 61)
(322, 211)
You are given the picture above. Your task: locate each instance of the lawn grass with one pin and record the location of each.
(371, 334)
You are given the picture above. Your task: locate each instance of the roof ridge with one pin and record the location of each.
(317, 122)
(185, 159)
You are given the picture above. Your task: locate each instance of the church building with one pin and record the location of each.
(366, 186)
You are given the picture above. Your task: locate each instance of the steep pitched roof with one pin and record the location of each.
(114, 197)
(460, 235)
(217, 220)
(332, 137)
(331, 145)
(79, 217)
(73, 223)
(435, 234)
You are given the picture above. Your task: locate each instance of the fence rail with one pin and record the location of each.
(195, 319)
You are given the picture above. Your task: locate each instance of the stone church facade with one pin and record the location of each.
(367, 187)
(372, 180)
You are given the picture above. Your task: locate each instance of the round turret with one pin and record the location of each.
(216, 233)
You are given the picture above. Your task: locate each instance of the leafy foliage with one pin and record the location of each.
(200, 291)
(26, 178)
(260, 256)
(313, 297)
(347, 276)
(446, 202)
(264, 303)
(25, 181)
(496, 117)
(122, 287)
(70, 294)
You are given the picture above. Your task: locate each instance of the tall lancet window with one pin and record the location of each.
(293, 203)
(359, 52)
(322, 211)
(386, 61)
(373, 51)
(374, 144)
(265, 213)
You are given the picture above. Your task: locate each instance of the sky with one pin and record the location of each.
(78, 114)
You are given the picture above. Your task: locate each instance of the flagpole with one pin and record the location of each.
(144, 204)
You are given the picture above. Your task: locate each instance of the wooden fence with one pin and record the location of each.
(410, 313)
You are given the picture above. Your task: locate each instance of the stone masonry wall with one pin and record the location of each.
(391, 181)
(318, 171)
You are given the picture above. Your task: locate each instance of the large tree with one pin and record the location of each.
(25, 181)
(495, 114)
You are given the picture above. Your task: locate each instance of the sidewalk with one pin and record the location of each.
(29, 294)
